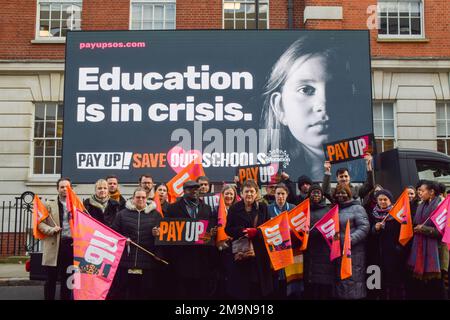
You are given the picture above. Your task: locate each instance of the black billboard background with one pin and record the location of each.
(173, 51)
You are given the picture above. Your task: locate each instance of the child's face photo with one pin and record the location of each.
(302, 103)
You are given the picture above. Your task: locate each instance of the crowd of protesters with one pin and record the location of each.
(418, 270)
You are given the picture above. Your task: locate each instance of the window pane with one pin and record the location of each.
(440, 128)
(59, 129)
(263, 9)
(228, 14)
(388, 109)
(55, 11)
(229, 24)
(39, 112)
(60, 112)
(415, 9)
(240, 12)
(148, 25)
(388, 144)
(404, 25)
(58, 165)
(250, 12)
(393, 26)
(136, 11)
(50, 129)
(50, 148)
(49, 165)
(170, 12)
(44, 28)
(392, 9)
(377, 128)
(44, 11)
(415, 26)
(135, 25)
(383, 26)
(38, 147)
(379, 144)
(58, 147)
(240, 24)
(441, 145)
(37, 165)
(159, 12)
(251, 24)
(158, 25)
(51, 112)
(440, 111)
(170, 25)
(148, 13)
(388, 128)
(262, 24)
(403, 9)
(377, 111)
(39, 129)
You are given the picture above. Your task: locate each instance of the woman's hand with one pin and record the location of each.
(155, 232)
(250, 232)
(379, 226)
(418, 228)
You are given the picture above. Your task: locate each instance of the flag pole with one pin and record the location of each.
(150, 253)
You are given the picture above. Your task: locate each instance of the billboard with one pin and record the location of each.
(150, 102)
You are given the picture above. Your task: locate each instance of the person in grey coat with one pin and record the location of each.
(349, 209)
(319, 271)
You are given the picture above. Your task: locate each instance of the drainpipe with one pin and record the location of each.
(290, 14)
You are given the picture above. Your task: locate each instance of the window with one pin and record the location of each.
(56, 17)
(48, 126)
(384, 127)
(443, 126)
(400, 19)
(153, 14)
(240, 14)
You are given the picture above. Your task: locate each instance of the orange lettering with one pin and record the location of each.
(136, 160)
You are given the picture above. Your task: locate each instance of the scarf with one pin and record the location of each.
(95, 202)
(424, 257)
(115, 196)
(192, 207)
(380, 214)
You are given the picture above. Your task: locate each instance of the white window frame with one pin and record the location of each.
(403, 36)
(245, 2)
(447, 122)
(44, 176)
(153, 2)
(37, 36)
(382, 119)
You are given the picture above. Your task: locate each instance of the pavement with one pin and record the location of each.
(14, 274)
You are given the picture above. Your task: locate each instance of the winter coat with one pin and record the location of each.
(385, 251)
(253, 271)
(355, 286)
(191, 261)
(318, 269)
(137, 225)
(107, 217)
(47, 227)
(274, 210)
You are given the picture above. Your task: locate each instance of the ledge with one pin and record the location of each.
(322, 13)
(390, 40)
(49, 41)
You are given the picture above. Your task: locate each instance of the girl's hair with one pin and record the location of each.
(342, 187)
(307, 46)
(229, 187)
(161, 184)
(99, 182)
(250, 183)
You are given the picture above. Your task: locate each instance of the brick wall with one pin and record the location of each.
(8, 247)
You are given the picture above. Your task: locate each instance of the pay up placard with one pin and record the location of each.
(349, 149)
(184, 232)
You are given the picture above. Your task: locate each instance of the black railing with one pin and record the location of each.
(16, 229)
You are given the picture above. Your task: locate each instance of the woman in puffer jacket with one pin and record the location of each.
(138, 273)
(354, 287)
(319, 271)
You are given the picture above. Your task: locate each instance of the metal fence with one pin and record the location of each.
(16, 230)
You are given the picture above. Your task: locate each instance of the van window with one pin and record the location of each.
(433, 170)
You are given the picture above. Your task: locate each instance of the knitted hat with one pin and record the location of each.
(385, 192)
(303, 179)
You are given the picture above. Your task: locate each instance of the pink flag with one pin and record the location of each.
(97, 250)
(439, 216)
(328, 226)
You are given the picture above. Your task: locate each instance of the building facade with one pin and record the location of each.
(410, 48)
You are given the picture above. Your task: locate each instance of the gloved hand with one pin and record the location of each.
(250, 232)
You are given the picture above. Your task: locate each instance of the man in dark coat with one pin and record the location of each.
(192, 267)
(114, 192)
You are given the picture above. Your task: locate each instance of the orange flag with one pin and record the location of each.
(40, 213)
(222, 220)
(402, 213)
(346, 263)
(73, 203)
(158, 204)
(277, 238)
(175, 185)
(299, 222)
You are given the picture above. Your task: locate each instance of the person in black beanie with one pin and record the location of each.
(303, 183)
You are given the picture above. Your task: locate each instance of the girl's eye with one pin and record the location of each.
(307, 90)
